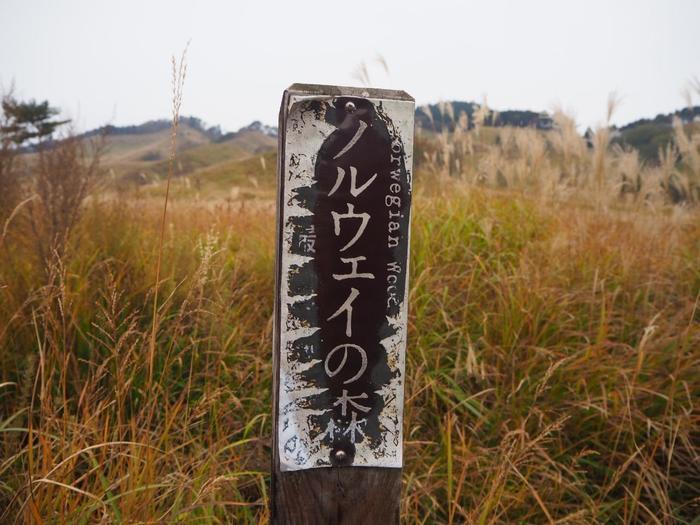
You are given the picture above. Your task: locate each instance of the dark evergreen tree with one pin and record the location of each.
(23, 122)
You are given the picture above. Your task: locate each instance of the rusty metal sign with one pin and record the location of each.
(342, 265)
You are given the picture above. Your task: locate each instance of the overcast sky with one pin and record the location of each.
(108, 62)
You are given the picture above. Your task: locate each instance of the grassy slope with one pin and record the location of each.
(552, 364)
(131, 149)
(143, 158)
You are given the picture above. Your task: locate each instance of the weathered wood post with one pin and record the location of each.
(344, 191)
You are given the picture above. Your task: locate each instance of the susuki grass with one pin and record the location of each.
(552, 372)
(549, 349)
(560, 163)
(86, 381)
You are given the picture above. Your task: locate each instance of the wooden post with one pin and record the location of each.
(343, 214)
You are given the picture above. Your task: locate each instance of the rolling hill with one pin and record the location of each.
(210, 161)
(138, 155)
(648, 136)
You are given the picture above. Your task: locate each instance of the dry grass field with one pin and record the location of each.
(553, 371)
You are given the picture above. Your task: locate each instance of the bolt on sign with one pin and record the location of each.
(342, 266)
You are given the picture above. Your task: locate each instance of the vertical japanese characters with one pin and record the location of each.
(343, 317)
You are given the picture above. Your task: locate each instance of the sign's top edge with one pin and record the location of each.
(339, 91)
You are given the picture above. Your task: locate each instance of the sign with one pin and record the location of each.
(342, 266)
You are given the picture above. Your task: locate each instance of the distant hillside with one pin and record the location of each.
(445, 115)
(650, 135)
(149, 143)
(154, 126)
(255, 126)
(138, 154)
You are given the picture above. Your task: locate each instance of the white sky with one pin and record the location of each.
(108, 62)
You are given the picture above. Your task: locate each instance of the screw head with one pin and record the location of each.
(350, 107)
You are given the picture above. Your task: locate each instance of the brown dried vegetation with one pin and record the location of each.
(553, 357)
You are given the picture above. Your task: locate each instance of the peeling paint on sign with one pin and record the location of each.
(341, 312)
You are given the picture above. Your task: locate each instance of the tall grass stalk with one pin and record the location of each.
(178, 71)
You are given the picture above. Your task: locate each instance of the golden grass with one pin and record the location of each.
(552, 371)
(560, 163)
